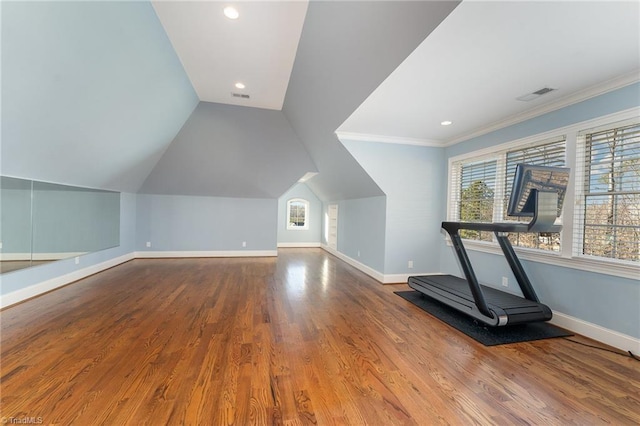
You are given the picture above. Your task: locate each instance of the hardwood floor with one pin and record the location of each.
(301, 339)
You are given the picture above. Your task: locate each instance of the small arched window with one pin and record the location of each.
(297, 214)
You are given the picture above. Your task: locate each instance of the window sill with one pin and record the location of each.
(608, 267)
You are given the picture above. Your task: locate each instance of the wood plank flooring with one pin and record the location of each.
(298, 339)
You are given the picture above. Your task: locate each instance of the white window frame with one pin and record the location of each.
(580, 190)
(306, 215)
(567, 256)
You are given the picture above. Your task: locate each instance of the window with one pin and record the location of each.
(601, 213)
(297, 214)
(608, 213)
(483, 186)
(477, 193)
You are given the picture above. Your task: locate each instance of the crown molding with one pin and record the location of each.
(398, 140)
(574, 98)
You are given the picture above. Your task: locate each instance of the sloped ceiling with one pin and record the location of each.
(257, 49)
(231, 151)
(346, 50)
(92, 92)
(486, 54)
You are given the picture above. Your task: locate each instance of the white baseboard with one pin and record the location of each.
(596, 332)
(221, 253)
(298, 245)
(379, 276)
(397, 278)
(48, 285)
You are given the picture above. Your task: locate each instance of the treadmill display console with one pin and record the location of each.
(530, 177)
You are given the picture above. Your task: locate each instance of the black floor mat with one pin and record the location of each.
(487, 335)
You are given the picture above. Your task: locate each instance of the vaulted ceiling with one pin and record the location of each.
(470, 70)
(485, 55)
(258, 48)
(138, 96)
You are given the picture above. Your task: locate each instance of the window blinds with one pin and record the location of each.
(483, 187)
(608, 217)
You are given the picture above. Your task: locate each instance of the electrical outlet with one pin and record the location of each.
(358, 253)
(244, 244)
(410, 264)
(148, 243)
(505, 282)
(77, 260)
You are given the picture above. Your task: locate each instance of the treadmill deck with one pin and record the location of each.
(455, 292)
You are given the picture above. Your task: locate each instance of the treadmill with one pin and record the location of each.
(538, 192)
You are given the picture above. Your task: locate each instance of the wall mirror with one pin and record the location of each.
(43, 222)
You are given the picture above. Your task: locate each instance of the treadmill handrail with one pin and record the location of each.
(546, 206)
(474, 285)
(509, 254)
(545, 212)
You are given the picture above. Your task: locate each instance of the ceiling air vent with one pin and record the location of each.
(534, 95)
(240, 95)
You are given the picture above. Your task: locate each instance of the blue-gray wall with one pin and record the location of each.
(414, 180)
(193, 223)
(92, 92)
(609, 301)
(314, 217)
(361, 230)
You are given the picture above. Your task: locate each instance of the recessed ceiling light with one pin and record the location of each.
(446, 123)
(231, 12)
(240, 85)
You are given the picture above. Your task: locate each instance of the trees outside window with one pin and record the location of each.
(297, 214)
(611, 200)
